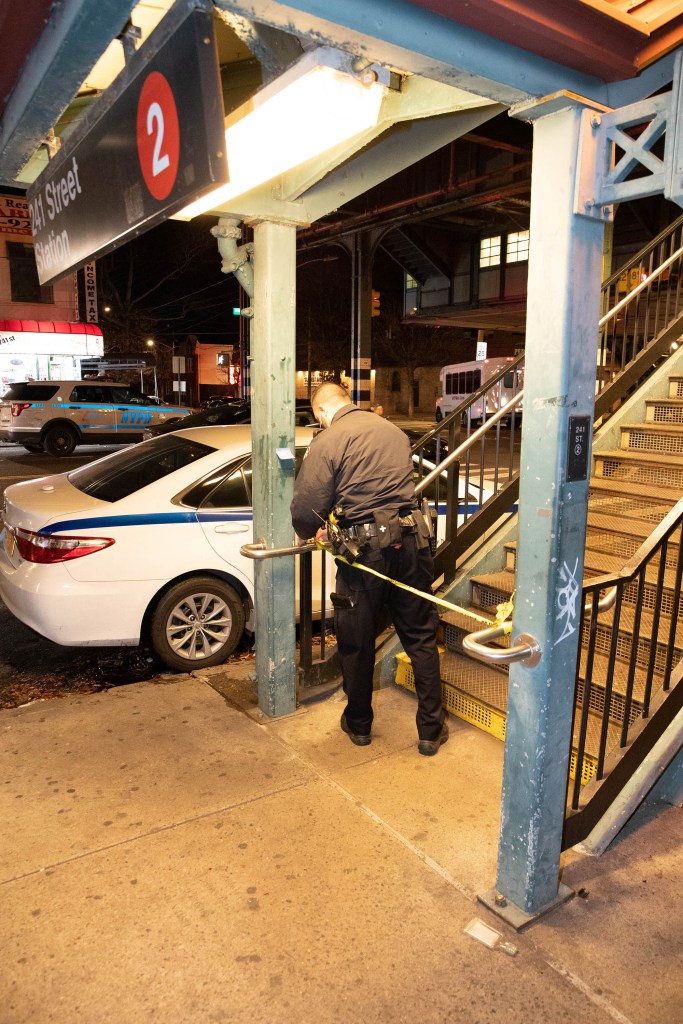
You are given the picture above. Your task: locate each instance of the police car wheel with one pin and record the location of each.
(199, 621)
(60, 440)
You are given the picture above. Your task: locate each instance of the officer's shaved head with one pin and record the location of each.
(327, 399)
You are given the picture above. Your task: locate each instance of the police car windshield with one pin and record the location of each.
(133, 468)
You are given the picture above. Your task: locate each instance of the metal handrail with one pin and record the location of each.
(605, 603)
(476, 435)
(525, 648)
(640, 287)
(258, 550)
(647, 250)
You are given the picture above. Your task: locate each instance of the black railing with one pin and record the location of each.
(627, 660)
(641, 316)
(318, 661)
(469, 468)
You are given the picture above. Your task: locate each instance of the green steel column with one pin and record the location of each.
(272, 431)
(565, 257)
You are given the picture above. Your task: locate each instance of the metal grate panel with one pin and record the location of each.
(463, 705)
(627, 505)
(488, 598)
(603, 640)
(622, 545)
(650, 598)
(665, 444)
(617, 704)
(667, 414)
(658, 475)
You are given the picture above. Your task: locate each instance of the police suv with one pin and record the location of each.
(56, 415)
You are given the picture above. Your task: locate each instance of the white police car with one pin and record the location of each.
(56, 415)
(141, 545)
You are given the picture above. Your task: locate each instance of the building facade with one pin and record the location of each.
(40, 333)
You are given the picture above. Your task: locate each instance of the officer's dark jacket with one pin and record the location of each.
(362, 462)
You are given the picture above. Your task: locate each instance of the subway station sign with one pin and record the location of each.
(154, 142)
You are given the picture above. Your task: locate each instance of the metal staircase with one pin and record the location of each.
(631, 622)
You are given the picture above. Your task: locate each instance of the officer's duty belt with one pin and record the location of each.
(364, 531)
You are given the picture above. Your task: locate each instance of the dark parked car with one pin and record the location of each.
(224, 415)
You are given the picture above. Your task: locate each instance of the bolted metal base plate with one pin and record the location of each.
(516, 917)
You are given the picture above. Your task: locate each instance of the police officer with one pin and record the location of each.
(359, 470)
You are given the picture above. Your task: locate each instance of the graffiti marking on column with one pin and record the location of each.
(566, 601)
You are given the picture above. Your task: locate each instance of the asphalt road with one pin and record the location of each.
(31, 667)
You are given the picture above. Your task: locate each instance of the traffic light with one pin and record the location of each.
(375, 303)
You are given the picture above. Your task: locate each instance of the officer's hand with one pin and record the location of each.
(321, 535)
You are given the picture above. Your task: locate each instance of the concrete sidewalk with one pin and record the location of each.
(167, 857)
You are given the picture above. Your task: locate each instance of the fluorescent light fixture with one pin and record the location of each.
(315, 105)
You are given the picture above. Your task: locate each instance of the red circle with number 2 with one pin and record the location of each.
(158, 135)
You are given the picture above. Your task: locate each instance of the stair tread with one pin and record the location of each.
(619, 524)
(653, 427)
(610, 524)
(623, 488)
(629, 455)
(503, 581)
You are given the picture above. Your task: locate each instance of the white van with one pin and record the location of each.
(459, 381)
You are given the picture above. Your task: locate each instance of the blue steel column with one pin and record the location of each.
(565, 257)
(273, 401)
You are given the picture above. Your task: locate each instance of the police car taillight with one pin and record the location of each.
(18, 407)
(43, 548)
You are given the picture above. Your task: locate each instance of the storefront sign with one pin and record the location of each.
(154, 142)
(90, 286)
(14, 218)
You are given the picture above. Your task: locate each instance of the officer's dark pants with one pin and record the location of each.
(415, 620)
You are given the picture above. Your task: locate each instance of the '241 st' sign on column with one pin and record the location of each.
(154, 142)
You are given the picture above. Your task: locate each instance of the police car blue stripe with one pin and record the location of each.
(147, 519)
(114, 406)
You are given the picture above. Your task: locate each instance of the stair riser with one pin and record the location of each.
(453, 637)
(656, 444)
(612, 468)
(671, 415)
(597, 704)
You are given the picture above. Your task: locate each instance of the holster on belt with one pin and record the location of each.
(423, 530)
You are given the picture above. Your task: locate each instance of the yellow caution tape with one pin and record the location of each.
(419, 593)
(504, 611)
